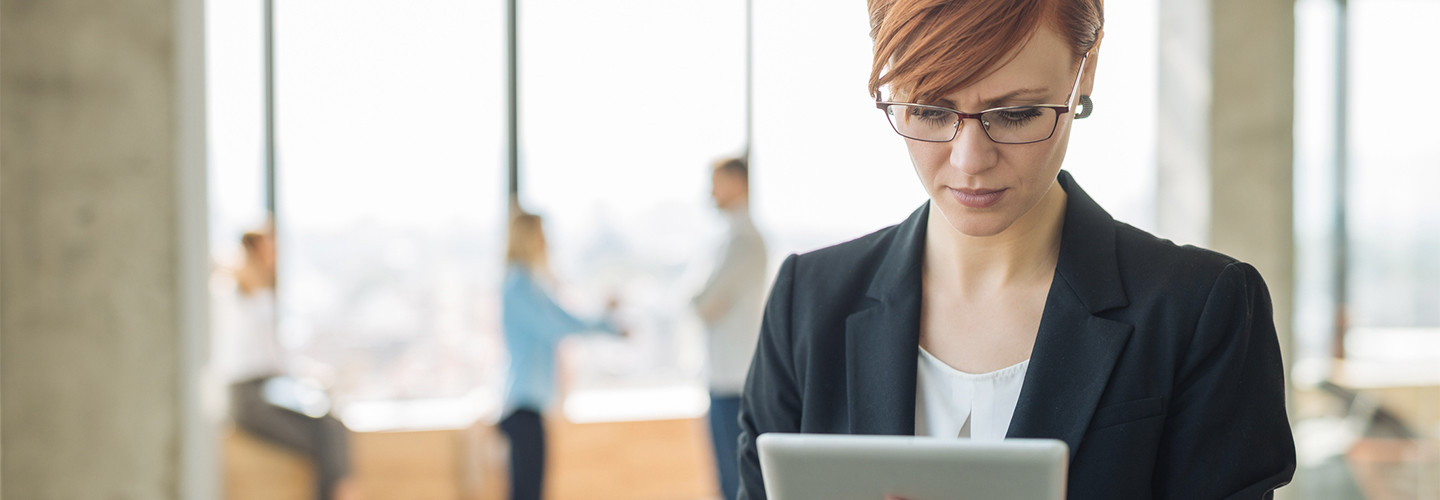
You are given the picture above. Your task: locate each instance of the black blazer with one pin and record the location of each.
(1157, 364)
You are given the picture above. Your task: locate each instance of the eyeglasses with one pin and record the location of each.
(1007, 125)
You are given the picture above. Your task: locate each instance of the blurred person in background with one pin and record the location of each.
(730, 304)
(533, 324)
(264, 399)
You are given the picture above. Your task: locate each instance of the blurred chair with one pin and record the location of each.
(1365, 416)
(1386, 457)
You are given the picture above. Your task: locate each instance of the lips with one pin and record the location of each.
(977, 198)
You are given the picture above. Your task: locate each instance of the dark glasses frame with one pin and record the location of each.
(1060, 110)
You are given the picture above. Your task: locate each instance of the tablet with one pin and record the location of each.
(849, 467)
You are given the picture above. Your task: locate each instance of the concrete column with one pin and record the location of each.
(1226, 120)
(1252, 143)
(1227, 111)
(102, 250)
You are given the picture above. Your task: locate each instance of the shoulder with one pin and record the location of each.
(515, 274)
(1139, 249)
(517, 280)
(844, 266)
(1155, 269)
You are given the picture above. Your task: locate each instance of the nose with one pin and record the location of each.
(971, 150)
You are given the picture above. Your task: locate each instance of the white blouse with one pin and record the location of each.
(246, 345)
(951, 403)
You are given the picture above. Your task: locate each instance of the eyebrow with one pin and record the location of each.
(1015, 94)
(994, 102)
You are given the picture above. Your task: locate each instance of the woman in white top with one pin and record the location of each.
(252, 359)
(1010, 304)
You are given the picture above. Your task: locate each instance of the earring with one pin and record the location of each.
(1086, 106)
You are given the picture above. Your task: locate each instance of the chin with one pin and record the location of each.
(977, 224)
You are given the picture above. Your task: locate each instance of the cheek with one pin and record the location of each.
(928, 158)
(1055, 155)
(1039, 160)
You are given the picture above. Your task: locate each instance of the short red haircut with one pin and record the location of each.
(932, 48)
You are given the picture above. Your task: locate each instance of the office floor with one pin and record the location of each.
(641, 460)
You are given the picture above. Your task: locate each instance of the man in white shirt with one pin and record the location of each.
(730, 305)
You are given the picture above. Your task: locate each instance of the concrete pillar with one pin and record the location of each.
(1226, 120)
(102, 250)
(1252, 143)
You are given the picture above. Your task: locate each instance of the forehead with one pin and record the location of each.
(1044, 62)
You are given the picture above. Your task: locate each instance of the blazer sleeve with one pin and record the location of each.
(771, 401)
(1227, 435)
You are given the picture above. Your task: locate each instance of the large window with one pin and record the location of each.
(234, 74)
(1367, 324)
(1394, 219)
(624, 107)
(1389, 283)
(391, 202)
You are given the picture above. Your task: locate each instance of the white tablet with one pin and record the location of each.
(849, 467)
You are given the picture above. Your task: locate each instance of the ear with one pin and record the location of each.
(1087, 83)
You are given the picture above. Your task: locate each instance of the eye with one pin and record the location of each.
(1014, 117)
(932, 116)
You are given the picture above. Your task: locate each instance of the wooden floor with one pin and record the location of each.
(648, 460)
(258, 470)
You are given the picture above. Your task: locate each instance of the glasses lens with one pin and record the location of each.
(1021, 124)
(922, 123)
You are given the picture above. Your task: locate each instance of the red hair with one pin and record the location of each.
(932, 48)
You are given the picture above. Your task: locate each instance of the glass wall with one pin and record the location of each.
(1368, 236)
(623, 109)
(235, 106)
(391, 202)
(1390, 304)
(1393, 217)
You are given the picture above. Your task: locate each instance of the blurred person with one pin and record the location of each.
(264, 399)
(533, 324)
(1010, 304)
(730, 304)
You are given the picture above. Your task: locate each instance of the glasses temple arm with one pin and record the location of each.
(1070, 101)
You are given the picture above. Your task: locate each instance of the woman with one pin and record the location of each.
(533, 324)
(1010, 304)
(250, 354)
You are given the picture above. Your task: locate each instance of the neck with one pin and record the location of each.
(1025, 253)
(740, 204)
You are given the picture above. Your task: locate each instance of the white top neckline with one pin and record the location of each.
(1005, 372)
(957, 404)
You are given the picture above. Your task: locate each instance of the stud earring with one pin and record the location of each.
(1086, 106)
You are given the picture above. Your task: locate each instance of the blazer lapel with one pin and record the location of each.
(1069, 369)
(1074, 353)
(881, 339)
(1075, 349)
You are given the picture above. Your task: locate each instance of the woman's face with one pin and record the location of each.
(982, 188)
(263, 253)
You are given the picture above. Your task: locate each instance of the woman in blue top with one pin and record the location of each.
(533, 324)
